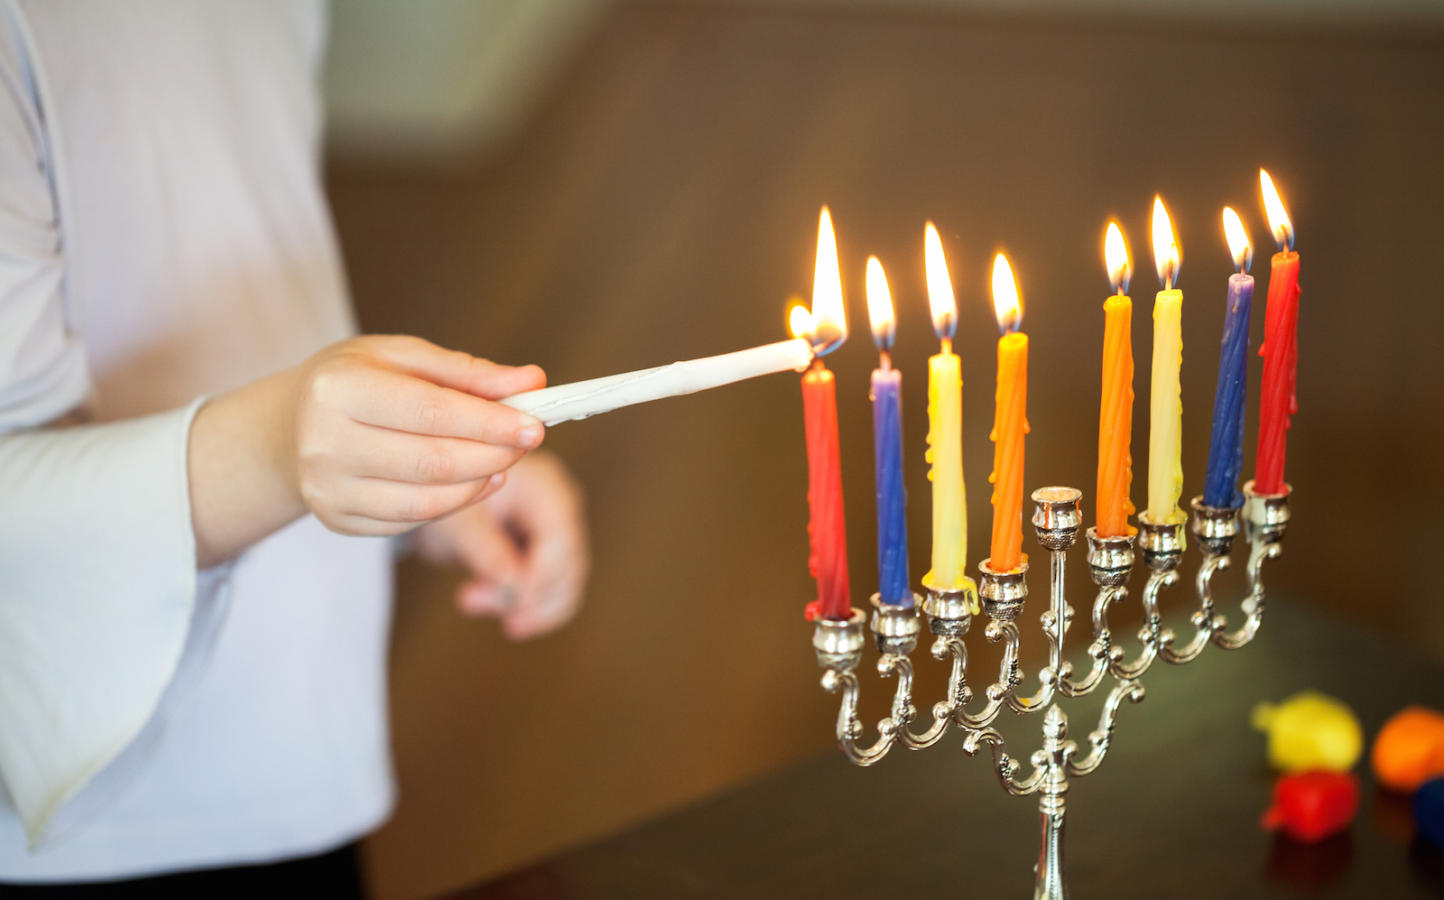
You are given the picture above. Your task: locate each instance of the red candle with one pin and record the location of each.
(1280, 350)
(827, 530)
(826, 328)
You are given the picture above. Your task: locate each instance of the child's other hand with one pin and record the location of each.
(392, 431)
(525, 548)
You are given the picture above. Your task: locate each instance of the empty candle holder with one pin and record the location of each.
(1263, 519)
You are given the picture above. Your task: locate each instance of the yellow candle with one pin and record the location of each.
(945, 454)
(1010, 422)
(1165, 429)
(945, 430)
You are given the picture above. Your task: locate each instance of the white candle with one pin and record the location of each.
(581, 399)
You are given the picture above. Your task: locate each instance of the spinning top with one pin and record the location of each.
(1310, 731)
(1311, 806)
(1410, 748)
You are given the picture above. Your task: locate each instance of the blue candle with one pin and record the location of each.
(1225, 449)
(892, 534)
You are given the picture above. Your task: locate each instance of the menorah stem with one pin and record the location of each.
(1061, 612)
(1048, 883)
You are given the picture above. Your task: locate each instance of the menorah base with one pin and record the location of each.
(839, 645)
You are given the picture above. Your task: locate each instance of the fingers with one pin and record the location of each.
(396, 456)
(551, 587)
(408, 505)
(544, 507)
(495, 563)
(394, 400)
(458, 370)
(365, 526)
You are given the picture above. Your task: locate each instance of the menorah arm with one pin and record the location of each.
(1205, 622)
(1006, 766)
(1009, 676)
(1102, 736)
(1252, 604)
(1101, 650)
(1150, 635)
(849, 726)
(958, 693)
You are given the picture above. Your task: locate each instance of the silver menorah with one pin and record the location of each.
(1057, 519)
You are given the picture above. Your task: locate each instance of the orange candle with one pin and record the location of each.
(1115, 410)
(1010, 422)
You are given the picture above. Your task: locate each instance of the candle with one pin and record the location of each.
(892, 533)
(1165, 425)
(1115, 409)
(1010, 422)
(945, 429)
(581, 399)
(1280, 351)
(827, 530)
(1225, 446)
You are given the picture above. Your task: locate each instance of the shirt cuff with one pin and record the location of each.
(98, 588)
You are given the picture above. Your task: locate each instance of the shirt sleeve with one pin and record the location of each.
(98, 582)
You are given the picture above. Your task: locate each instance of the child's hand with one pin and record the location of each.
(393, 431)
(525, 549)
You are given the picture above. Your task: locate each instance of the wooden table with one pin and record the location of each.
(1173, 812)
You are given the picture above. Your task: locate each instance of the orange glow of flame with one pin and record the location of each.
(1238, 243)
(1007, 305)
(799, 320)
(1115, 254)
(1167, 257)
(879, 306)
(940, 284)
(1279, 222)
(829, 318)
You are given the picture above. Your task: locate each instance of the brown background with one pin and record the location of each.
(662, 204)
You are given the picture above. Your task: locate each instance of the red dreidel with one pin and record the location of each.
(1311, 806)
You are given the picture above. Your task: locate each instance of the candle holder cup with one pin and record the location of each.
(1263, 519)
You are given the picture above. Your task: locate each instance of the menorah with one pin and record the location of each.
(1057, 520)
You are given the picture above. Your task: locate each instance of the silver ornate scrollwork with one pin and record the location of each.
(895, 628)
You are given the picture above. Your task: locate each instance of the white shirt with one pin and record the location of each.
(164, 236)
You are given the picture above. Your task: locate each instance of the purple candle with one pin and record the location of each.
(892, 534)
(1225, 449)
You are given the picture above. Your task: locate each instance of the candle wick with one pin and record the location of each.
(885, 360)
(947, 346)
(817, 365)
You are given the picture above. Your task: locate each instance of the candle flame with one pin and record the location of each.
(879, 306)
(1238, 243)
(1166, 254)
(829, 318)
(1115, 254)
(1007, 305)
(940, 285)
(799, 321)
(1279, 222)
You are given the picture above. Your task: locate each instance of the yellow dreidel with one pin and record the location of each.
(1310, 731)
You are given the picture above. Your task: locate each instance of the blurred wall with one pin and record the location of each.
(661, 204)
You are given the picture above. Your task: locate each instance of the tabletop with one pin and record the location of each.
(1173, 811)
